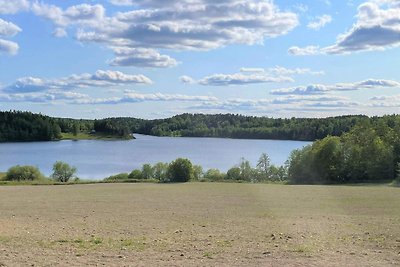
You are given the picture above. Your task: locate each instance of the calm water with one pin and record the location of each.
(99, 159)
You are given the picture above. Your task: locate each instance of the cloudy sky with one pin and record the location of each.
(157, 58)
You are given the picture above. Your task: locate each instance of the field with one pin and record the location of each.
(199, 224)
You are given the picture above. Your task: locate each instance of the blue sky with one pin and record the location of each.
(155, 58)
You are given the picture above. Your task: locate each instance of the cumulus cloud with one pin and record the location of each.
(41, 97)
(319, 22)
(241, 79)
(83, 14)
(187, 79)
(60, 33)
(177, 25)
(322, 89)
(8, 28)
(8, 47)
(385, 101)
(291, 102)
(377, 28)
(141, 57)
(252, 76)
(305, 51)
(13, 6)
(132, 97)
(290, 99)
(100, 79)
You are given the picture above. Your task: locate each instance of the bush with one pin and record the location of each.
(136, 174)
(160, 170)
(147, 171)
(62, 172)
(118, 177)
(214, 175)
(23, 173)
(233, 174)
(197, 172)
(180, 171)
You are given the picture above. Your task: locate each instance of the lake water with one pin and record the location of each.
(100, 159)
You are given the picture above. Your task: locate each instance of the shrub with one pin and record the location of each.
(160, 170)
(23, 173)
(233, 174)
(118, 177)
(62, 172)
(197, 172)
(214, 175)
(147, 171)
(180, 171)
(136, 174)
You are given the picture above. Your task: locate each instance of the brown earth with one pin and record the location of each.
(199, 224)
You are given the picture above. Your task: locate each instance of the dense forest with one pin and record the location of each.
(370, 152)
(26, 126)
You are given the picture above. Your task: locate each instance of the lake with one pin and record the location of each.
(100, 159)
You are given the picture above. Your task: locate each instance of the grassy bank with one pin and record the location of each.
(95, 136)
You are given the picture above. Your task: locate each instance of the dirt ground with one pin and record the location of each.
(199, 224)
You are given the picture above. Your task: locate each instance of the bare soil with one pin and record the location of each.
(199, 224)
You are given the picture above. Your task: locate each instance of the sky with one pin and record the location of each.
(157, 58)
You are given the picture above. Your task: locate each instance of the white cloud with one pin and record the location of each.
(132, 97)
(141, 57)
(253, 75)
(187, 79)
(178, 25)
(8, 28)
(241, 79)
(290, 99)
(319, 22)
(60, 33)
(8, 47)
(278, 70)
(377, 28)
(99, 79)
(41, 97)
(305, 51)
(13, 6)
(322, 89)
(385, 101)
(83, 14)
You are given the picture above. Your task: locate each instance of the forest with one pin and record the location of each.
(26, 126)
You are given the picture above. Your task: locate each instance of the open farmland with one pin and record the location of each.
(199, 224)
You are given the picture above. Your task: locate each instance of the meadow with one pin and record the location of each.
(199, 224)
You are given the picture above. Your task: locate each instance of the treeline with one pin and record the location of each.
(182, 170)
(370, 152)
(249, 127)
(25, 126)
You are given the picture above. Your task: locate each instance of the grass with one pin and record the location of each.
(89, 136)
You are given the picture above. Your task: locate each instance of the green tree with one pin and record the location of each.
(246, 171)
(136, 174)
(75, 129)
(263, 166)
(62, 172)
(160, 170)
(214, 175)
(180, 171)
(233, 174)
(147, 171)
(197, 172)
